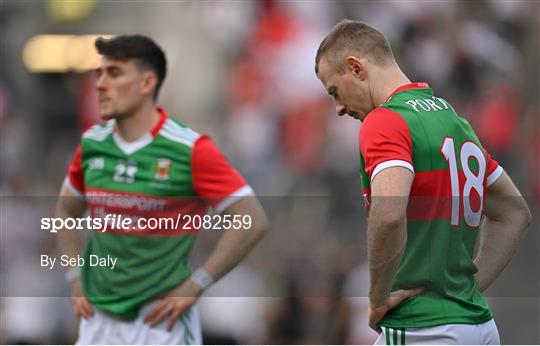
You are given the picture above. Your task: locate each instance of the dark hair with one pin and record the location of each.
(350, 37)
(141, 48)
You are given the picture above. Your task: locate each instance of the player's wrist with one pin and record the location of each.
(202, 279)
(72, 274)
(378, 302)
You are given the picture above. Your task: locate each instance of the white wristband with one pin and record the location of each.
(202, 278)
(73, 273)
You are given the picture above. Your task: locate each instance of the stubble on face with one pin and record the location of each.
(117, 83)
(340, 86)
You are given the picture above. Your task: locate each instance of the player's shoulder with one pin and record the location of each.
(99, 132)
(176, 131)
(378, 115)
(383, 125)
(382, 118)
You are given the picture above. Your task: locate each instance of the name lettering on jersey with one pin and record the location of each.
(163, 168)
(428, 105)
(124, 172)
(97, 163)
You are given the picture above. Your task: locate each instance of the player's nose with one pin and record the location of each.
(340, 109)
(100, 82)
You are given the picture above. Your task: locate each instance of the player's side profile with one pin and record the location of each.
(431, 189)
(143, 162)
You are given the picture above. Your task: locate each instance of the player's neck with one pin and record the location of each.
(136, 125)
(388, 82)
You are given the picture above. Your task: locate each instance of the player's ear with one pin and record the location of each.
(149, 83)
(356, 66)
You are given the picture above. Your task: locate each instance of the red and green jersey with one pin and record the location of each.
(423, 133)
(169, 171)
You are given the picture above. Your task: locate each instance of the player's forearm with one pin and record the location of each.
(386, 244)
(499, 241)
(69, 242)
(506, 218)
(234, 245)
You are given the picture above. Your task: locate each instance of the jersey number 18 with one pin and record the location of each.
(474, 181)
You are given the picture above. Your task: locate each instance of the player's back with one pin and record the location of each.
(422, 132)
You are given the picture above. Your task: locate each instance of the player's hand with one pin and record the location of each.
(81, 306)
(174, 304)
(376, 313)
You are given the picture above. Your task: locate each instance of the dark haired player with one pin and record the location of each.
(141, 163)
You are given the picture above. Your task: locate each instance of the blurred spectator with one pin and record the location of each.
(497, 121)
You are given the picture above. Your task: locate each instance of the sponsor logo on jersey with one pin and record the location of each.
(97, 163)
(163, 167)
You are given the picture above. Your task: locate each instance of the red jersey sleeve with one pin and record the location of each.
(385, 141)
(494, 170)
(75, 177)
(214, 178)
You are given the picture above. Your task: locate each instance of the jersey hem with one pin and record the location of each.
(495, 175)
(391, 163)
(438, 322)
(233, 198)
(72, 188)
(130, 313)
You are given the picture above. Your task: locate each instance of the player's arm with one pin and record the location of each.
(387, 229)
(386, 146)
(70, 243)
(224, 188)
(506, 218)
(71, 204)
(234, 245)
(231, 248)
(387, 238)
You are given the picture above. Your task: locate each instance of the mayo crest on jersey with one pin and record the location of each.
(169, 171)
(415, 130)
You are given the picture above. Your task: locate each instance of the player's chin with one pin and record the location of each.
(106, 116)
(105, 113)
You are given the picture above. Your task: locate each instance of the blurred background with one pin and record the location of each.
(243, 72)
